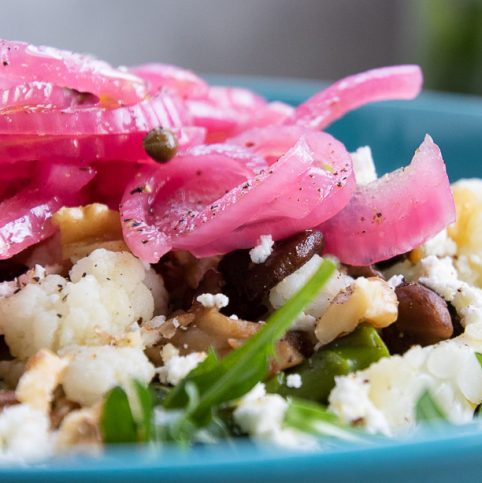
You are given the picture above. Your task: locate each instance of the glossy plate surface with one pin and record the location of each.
(393, 130)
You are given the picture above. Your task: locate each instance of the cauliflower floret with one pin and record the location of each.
(154, 282)
(105, 297)
(441, 245)
(92, 371)
(262, 415)
(282, 292)
(24, 434)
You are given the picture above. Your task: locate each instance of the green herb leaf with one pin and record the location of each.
(128, 420)
(478, 355)
(117, 423)
(310, 417)
(219, 381)
(143, 411)
(427, 409)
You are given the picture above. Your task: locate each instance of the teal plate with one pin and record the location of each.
(393, 130)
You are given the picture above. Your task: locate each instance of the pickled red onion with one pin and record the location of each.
(25, 217)
(39, 96)
(160, 201)
(165, 76)
(184, 213)
(21, 63)
(105, 147)
(227, 111)
(273, 174)
(397, 82)
(395, 213)
(162, 110)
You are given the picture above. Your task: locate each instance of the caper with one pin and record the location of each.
(160, 144)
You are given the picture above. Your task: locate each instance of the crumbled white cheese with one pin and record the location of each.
(440, 275)
(294, 381)
(234, 317)
(395, 280)
(177, 367)
(92, 371)
(34, 275)
(261, 415)
(441, 245)
(285, 289)
(150, 330)
(469, 268)
(261, 252)
(104, 298)
(384, 396)
(363, 165)
(210, 300)
(24, 434)
(350, 400)
(154, 282)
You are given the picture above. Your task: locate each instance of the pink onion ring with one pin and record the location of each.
(25, 217)
(21, 63)
(164, 110)
(397, 82)
(183, 82)
(395, 213)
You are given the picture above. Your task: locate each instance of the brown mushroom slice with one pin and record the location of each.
(182, 273)
(423, 319)
(365, 271)
(247, 283)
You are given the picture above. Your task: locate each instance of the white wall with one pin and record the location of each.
(302, 38)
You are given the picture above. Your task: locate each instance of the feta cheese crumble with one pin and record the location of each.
(210, 300)
(177, 367)
(294, 381)
(395, 281)
(261, 252)
(24, 434)
(261, 415)
(363, 165)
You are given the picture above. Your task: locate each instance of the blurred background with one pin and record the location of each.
(317, 39)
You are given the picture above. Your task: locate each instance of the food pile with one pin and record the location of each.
(187, 263)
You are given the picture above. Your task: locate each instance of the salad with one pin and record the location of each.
(184, 263)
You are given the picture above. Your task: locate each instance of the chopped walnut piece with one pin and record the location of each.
(370, 300)
(43, 374)
(80, 430)
(61, 407)
(83, 229)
